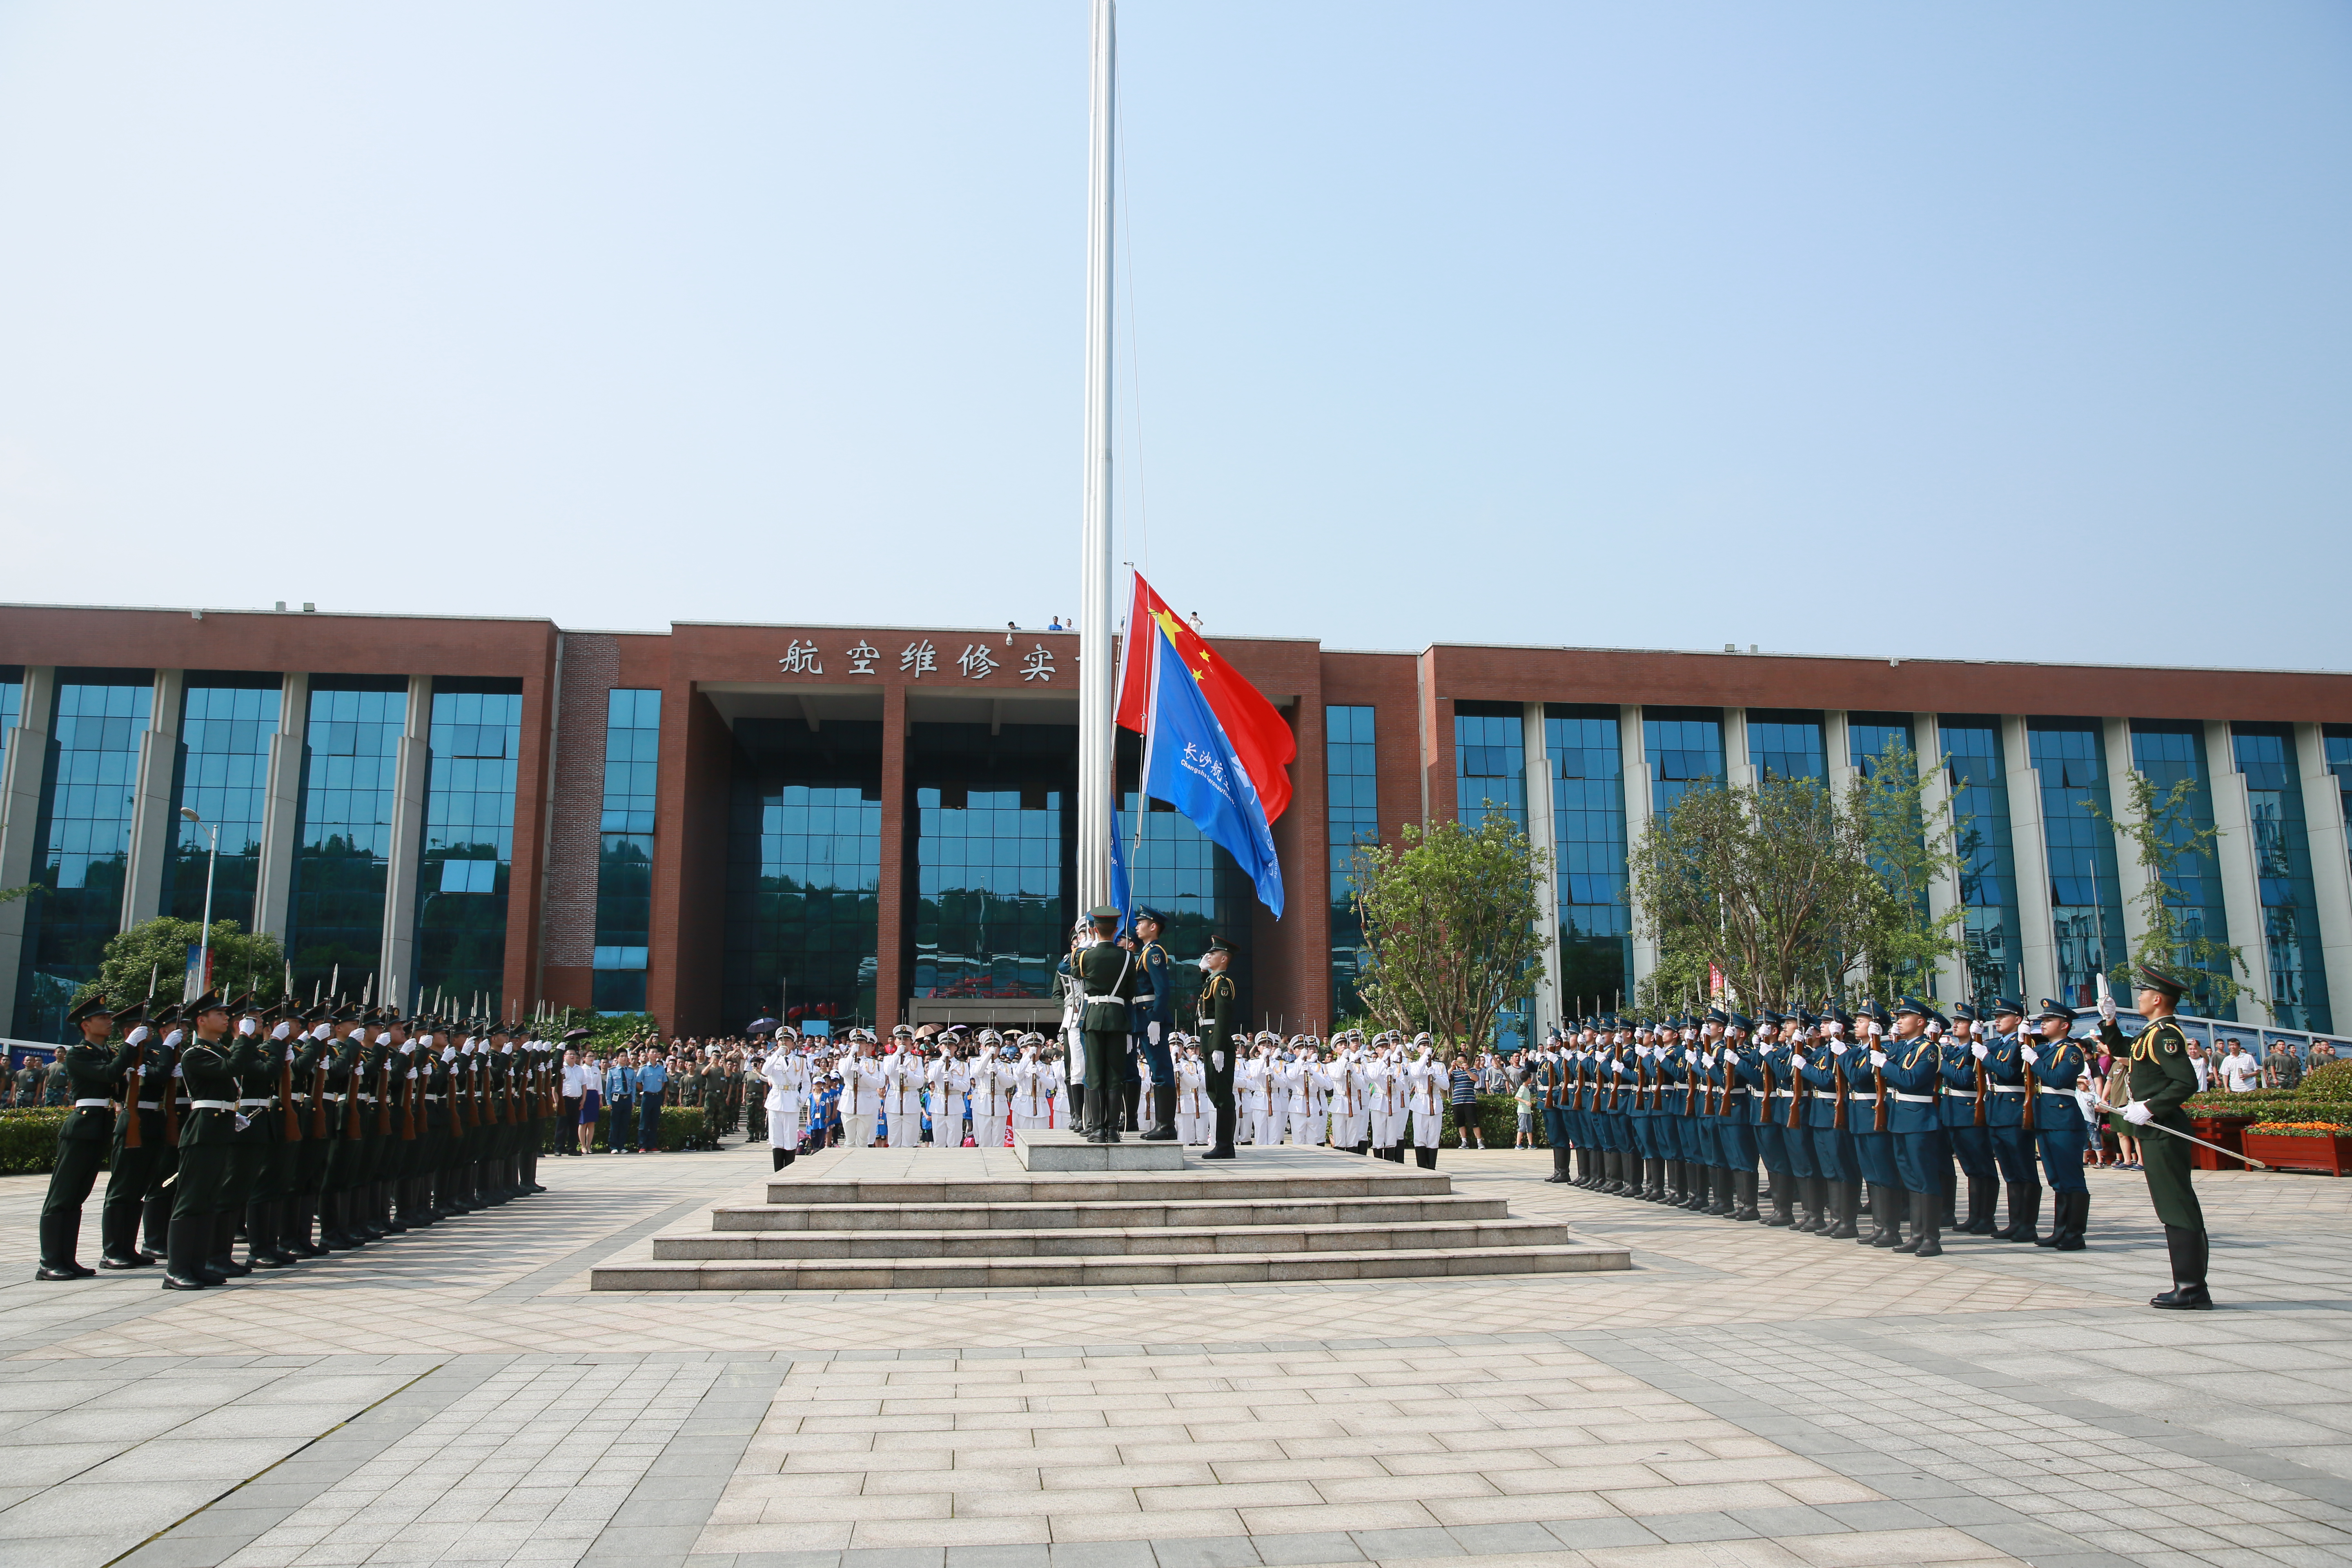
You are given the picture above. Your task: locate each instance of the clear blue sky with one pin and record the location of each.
(1919, 328)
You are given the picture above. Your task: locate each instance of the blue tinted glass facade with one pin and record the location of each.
(1685, 748)
(349, 756)
(1490, 762)
(803, 867)
(1868, 736)
(1353, 782)
(2298, 980)
(82, 840)
(1785, 745)
(1988, 920)
(1588, 814)
(994, 856)
(12, 701)
(226, 723)
(2337, 739)
(2085, 895)
(474, 744)
(2169, 753)
(625, 855)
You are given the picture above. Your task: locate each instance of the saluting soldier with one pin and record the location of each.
(1911, 1072)
(1822, 1069)
(250, 1126)
(96, 1073)
(136, 1166)
(2162, 1079)
(209, 1072)
(1966, 1088)
(2008, 1120)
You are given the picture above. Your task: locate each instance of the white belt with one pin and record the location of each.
(2009, 1088)
(265, 1100)
(211, 1105)
(369, 1098)
(1864, 1099)
(150, 1105)
(1784, 1094)
(1107, 999)
(336, 1098)
(1912, 1099)
(1735, 1094)
(79, 1104)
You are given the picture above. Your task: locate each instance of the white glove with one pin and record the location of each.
(1797, 1060)
(284, 1032)
(1878, 1058)
(1837, 1048)
(408, 1048)
(2138, 1114)
(138, 1036)
(249, 1028)
(1934, 1029)
(1151, 1033)
(2031, 1056)
(323, 1031)
(1977, 1050)
(2108, 1007)
(175, 1038)
(1874, 1030)
(1217, 1059)
(385, 1038)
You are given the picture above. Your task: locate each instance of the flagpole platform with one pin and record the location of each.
(1059, 1149)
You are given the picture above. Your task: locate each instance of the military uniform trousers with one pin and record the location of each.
(2166, 1163)
(1971, 1144)
(1874, 1152)
(1772, 1144)
(1737, 1145)
(70, 1180)
(1921, 1160)
(1558, 1135)
(1835, 1156)
(2062, 1137)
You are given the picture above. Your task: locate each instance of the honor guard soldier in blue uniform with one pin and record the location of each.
(2009, 1122)
(1833, 1150)
(1787, 1154)
(96, 1073)
(2162, 1079)
(1866, 1119)
(2060, 1133)
(1553, 1087)
(1591, 1141)
(1966, 1088)
(1912, 1073)
(1642, 1119)
(1738, 1074)
(1155, 1018)
(1218, 1060)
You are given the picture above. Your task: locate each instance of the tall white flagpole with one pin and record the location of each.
(1096, 697)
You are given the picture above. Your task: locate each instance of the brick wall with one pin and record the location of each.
(590, 668)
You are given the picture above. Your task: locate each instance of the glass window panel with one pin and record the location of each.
(1354, 818)
(223, 756)
(2265, 754)
(801, 920)
(2086, 892)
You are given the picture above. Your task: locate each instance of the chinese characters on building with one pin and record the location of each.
(918, 658)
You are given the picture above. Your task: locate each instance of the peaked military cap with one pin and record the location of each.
(2154, 979)
(1739, 1022)
(1912, 1004)
(2051, 1008)
(1965, 1012)
(1102, 912)
(1875, 1011)
(2009, 1008)
(572, 1034)
(94, 1007)
(1218, 945)
(1146, 912)
(210, 1002)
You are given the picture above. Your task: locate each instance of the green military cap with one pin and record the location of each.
(95, 1007)
(2153, 979)
(1104, 912)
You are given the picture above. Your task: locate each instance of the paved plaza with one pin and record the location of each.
(1742, 1397)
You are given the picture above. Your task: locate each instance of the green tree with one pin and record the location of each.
(1900, 943)
(2160, 825)
(1450, 926)
(156, 953)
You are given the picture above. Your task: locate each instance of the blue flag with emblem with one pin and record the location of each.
(1189, 762)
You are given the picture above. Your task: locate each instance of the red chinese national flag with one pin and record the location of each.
(1261, 740)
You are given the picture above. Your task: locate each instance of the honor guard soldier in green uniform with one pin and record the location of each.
(206, 1131)
(2162, 1079)
(1106, 976)
(1217, 1056)
(141, 1156)
(96, 1073)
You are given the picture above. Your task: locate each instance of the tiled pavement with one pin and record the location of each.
(1743, 1396)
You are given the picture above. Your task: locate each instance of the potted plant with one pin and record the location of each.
(2301, 1145)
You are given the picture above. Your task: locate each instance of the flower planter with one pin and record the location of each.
(2282, 1151)
(2228, 1131)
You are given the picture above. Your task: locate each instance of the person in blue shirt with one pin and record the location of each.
(620, 1103)
(653, 1079)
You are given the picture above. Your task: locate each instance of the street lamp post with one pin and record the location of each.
(212, 861)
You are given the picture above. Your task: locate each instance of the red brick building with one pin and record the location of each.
(873, 822)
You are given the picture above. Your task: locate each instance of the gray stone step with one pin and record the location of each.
(1031, 1273)
(1387, 1236)
(1126, 1215)
(1350, 1180)
(1060, 1149)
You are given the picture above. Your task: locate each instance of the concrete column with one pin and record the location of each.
(1736, 768)
(1545, 832)
(152, 802)
(1837, 751)
(2038, 935)
(2331, 866)
(2131, 877)
(2235, 857)
(1632, 756)
(396, 969)
(26, 759)
(1935, 811)
(281, 809)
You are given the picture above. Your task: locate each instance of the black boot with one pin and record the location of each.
(1722, 1206)
(1784, 1201)
(2073, 1216)
(1163, 1115)
(1951, 1219)
(1847, 1195)
(1695, 1178)
(184, 1255)
(1984, 1195)
(1559, 1166)
(1885, 1219)
(2024, 1214)
(296, 1238)
(118, 1230)
(60, 1237)
(1424, 1156)
(1927, 1218)
(222, 1258)
(155, 1220)
(1743, 1196)
(1809, 1198)
(260, 1248)
(1913, 1205)
(2188, 1248)
(1224, 1149)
